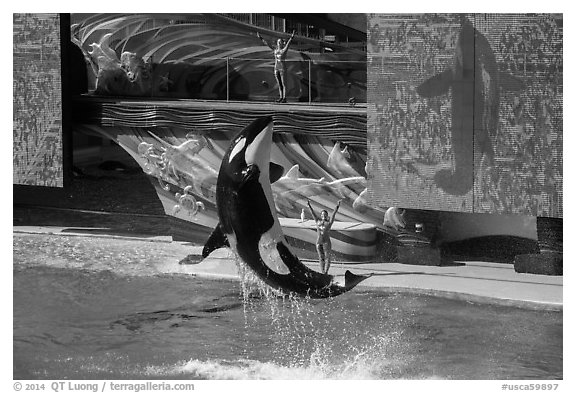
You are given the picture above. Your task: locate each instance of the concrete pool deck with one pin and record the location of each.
(486, 282)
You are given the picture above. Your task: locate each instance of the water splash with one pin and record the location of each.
(254, 369)
(366, 363)
(311, 338)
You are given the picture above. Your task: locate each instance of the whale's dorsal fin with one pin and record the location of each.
(216, 240)
(436, 85)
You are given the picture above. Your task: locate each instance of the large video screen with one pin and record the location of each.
(465, 112)
(37, 127)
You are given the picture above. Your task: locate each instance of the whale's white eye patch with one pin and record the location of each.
(237, 149)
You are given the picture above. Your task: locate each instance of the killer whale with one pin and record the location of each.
(249, 224)
(475, 83)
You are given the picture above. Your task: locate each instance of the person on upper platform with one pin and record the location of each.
(279, 52)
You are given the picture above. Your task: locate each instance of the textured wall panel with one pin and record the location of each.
(37, 128)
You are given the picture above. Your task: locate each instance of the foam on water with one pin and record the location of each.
(366, 363)
(254, 369)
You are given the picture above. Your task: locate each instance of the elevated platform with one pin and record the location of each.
(264, 105)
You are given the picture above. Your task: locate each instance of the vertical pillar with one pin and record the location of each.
(309, 82)
(227, 79)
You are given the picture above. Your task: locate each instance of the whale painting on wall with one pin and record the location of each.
(465, 112)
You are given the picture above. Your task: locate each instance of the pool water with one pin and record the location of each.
(89, 308)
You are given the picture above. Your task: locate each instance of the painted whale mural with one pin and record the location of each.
(249, 224)
(475, 82)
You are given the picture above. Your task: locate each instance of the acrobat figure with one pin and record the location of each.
(323, 243)
(279, 52)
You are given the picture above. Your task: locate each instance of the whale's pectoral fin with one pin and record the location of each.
(511, 83)
(437, 85)
(351, 279)
(216, 240)
(276, 172)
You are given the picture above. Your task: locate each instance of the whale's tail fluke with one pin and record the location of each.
(351, 279)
